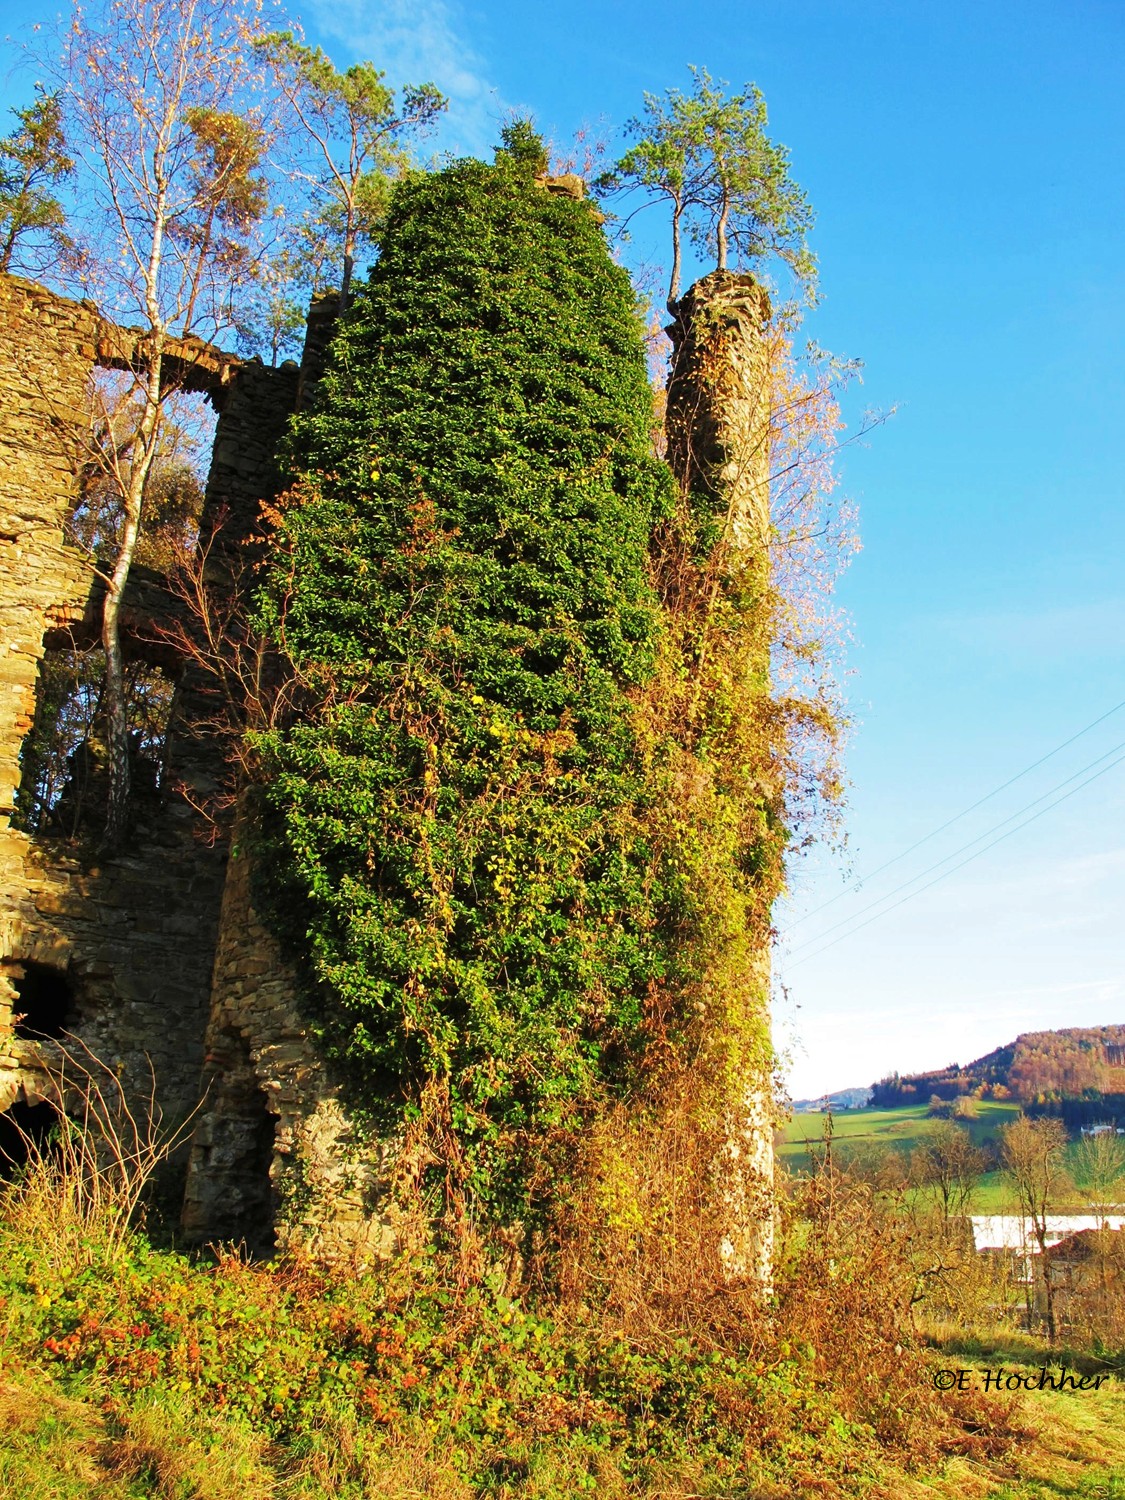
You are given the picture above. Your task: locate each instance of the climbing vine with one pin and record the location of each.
(523, 835)
(462, 567)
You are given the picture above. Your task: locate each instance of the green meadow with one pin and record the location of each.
(866, 1133)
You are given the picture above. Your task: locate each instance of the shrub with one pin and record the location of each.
(87, 1183)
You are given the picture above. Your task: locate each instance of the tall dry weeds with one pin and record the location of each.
(85, 1184)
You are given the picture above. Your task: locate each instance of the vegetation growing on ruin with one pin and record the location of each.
(462, 574)
(529, 829)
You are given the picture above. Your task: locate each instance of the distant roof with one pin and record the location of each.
(1079, 1246)
(1011, 1232)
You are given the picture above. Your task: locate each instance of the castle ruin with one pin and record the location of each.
(153, 956)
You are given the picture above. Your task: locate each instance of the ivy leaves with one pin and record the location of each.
(464, 567)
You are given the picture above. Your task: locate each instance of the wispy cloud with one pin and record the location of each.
(1080, 887)
(418, 41)
(1090, 629)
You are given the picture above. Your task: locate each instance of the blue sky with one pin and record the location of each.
(964, 160)
(965, 164)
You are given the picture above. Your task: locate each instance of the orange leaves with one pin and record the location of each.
(813, 538)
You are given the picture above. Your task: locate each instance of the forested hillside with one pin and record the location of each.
(1038, 1068)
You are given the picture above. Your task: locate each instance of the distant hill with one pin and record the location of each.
(1076, 1066)
(841, 1099)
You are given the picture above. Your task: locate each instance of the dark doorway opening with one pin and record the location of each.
(25, 1132)
(231, 1196)
(260, 1206)
(45, 1002)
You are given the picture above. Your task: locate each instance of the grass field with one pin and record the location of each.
(862, 1132)
(1073, 1448)
(859, 1129)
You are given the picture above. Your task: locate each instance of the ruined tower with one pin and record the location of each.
(718, 435)
(156, 954)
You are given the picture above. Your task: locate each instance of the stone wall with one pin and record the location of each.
(718, 429)
(46, 355)
(124, 945)
(326, 1186)
(155, 954)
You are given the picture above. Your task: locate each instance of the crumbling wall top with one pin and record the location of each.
(189, 364)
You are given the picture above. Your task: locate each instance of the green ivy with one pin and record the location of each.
(461, 569)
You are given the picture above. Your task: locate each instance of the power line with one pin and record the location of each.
(858, 884)
(968, 860)
(988, 832)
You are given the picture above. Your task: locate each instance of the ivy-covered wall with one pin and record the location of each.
(461, 571)
(524, 840)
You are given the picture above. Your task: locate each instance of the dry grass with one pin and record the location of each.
(1075, 1446)
(174, 1453)
(87, 1183)
(51, 1448)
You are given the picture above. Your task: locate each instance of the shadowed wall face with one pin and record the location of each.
(117, 951)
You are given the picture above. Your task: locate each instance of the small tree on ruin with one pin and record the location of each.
(355, 131)
(727, 183)
(34, 162)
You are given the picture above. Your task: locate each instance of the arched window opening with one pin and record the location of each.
(25, 1133)
(63, 759)
(44, 1002)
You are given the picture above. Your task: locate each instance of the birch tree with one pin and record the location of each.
(169, 126)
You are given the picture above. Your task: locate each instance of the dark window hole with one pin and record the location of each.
(25, 1132)
(237, 1201)
(45, 1001)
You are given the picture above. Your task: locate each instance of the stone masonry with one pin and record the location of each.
(157, 952)
(155, 957)
(129, 941)
(127, 938)
(718, 430)
(319, 1186)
